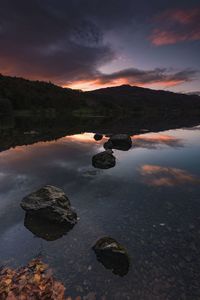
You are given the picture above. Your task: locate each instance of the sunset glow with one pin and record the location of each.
(136, 43)
(96, 84)
(93, 85)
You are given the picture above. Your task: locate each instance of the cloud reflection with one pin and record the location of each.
(152, 141)
(166, 176)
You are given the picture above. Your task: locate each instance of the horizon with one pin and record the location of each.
(103, 87)
(89, 45)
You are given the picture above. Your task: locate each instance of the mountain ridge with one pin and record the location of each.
(24, 94)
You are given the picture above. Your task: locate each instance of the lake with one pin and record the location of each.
(149, 202)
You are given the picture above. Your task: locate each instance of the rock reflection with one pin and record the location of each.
(104, 160)
(112, 255)
(98, 137)
(45, 229)
(121, 142)
(118, 265)
(166, 176)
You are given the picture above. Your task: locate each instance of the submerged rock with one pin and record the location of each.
(112, 255)
(50, 203)
(119, 141)
(45, 229)
(98, 137)
(104, 160)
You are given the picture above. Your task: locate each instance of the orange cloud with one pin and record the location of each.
(176, 26)
(164, 37)
(181, 16)
(164, 84)
(165, 176)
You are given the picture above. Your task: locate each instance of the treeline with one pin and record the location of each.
(24, 94)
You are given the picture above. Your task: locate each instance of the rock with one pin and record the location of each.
(50, 203)
(108, 145)
(119, 141)
(45, 229)
(104, 160)
(112, 255)
(98, 137)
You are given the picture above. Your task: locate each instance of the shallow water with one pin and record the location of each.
(149, 202)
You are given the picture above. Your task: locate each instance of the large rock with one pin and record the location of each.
(104, 160)
(119, 142)
(112, 255)
(50, 203)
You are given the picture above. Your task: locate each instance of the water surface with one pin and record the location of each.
(149, 202)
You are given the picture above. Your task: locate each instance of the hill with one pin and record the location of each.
(126, 97)
(18, 94)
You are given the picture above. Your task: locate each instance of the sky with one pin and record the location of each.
(89, 44)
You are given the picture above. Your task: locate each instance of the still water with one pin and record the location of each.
(149, 202)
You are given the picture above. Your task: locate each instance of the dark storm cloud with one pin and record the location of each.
(64, 41)
(134, 76)
(59, 44)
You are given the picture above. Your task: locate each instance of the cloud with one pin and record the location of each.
(38, 40)
(166, 176)
(164, 37)
(176, 26)
(67, 42)
(160, 77)
(142, 77)
(180, 16)
(62, 41)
